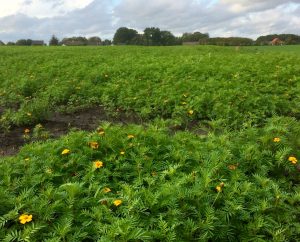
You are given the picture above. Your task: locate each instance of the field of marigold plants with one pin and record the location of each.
(149, 144)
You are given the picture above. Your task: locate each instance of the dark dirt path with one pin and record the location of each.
(60, 124)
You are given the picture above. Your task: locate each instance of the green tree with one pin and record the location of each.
(29, 42)
(75, 41)
(106, 42)
(289, 39)
(194, 37)
(167, 38)
(125, 36)
(21, 42)
(94, 41)
(54, 40)
(1, 43)
(152, 36)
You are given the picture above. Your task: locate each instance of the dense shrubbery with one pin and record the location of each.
(137, 183)
(288, 39)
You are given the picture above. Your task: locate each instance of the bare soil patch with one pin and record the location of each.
(87, 119)
(60, 124)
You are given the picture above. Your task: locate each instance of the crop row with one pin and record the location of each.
(233, 88)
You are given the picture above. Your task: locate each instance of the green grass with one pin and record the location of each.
(233, 184)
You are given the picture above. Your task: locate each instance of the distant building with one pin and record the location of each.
(276, 41)
(37, 42)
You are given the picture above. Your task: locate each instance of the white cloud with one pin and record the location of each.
(93, 18)
(9, 7)
(254, 5)
(39, 19)
(41, 8)
(219, 18)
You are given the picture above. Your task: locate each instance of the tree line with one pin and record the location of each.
(153, 36)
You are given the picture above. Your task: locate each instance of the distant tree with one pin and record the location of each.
(21, 42)
(139, 39)
(53, 41)
(11, 43)
(107, 42)
(231, 41)
(152, 36)
(288, 39)
(194, 37)
(94, 41)
(1, 43)
(28, 42)
(167, 38)
(178, 41)
(74, 41)
(125, 36)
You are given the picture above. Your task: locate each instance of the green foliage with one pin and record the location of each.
(232, 88)
(53, 41)
(167, 186)
(288, 39)
(239, 182)
(124, 35)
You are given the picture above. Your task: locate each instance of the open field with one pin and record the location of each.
(196, 143)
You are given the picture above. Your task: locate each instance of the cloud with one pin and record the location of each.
(220, 18)
(39, 19)
(41, 8)
(254, 5)
(93, 19)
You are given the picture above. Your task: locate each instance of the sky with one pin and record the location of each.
(39, 19)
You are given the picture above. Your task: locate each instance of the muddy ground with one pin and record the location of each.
(60, 124)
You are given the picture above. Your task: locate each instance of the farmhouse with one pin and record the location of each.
(276, 41)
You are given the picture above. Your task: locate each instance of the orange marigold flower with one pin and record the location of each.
(190, 112)
(98, 164)
(293, 160)
(232, 167)
(65, 152)
(106, 190)
(26, 131)
(94, 145)
(276, 140)
(117, 202)
(218, 188)
(25, 218)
